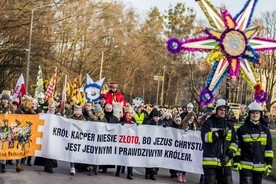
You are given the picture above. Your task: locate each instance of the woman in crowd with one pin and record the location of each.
(97, 116)
(176, 124)
(77, 115)
(167, 119)
(126, 119)
(190, 122)
(48, 164)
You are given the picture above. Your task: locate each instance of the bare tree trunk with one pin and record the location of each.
(177, 93)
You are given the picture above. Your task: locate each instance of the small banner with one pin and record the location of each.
(129, 145)
(18, 135)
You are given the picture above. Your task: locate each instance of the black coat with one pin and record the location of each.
(252, 147)
(110, 118)
(214, 149)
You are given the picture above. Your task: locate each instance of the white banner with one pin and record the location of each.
(115, 144)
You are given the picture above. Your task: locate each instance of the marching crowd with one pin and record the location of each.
(247, 150)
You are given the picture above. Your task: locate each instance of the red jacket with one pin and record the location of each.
(115, 97)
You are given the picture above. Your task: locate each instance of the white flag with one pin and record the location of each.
(20, 89)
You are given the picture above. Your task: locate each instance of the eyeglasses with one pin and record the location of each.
(177, 120)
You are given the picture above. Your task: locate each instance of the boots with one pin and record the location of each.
(152, 177)
(147, 173)
(72, 171)
(90, 170)
(18, 168)
(95, 169)
(129, 176)
(29, 158)
(3, 168)
(118, 171)
(184, 179)
(21, 166)
(129, 173)
(180, 178)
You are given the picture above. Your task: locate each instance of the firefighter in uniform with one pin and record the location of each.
(219, 146)
(255, 155)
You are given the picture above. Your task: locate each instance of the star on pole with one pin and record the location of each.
(231, 44)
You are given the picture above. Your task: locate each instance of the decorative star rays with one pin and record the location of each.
(231, 45)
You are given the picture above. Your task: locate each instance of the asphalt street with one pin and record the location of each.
(36, 175)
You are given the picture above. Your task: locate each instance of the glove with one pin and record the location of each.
(225, 160)
(230, 154)
(236, 167)
(218, 134)
(268, 169)
(221, 133)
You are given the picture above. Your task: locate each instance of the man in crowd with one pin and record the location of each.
(219, 146)
(102, 100)
(5, 108)
(255, 154)
(88, 110)
(116, 99)
(189, 108)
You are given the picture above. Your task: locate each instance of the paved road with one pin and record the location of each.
(35, 175)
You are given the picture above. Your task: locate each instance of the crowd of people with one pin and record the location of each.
(250, 149)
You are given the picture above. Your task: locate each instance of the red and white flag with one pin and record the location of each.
(51, 87)
(20, 88)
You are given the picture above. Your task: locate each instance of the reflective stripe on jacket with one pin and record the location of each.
(139, 118)
(214, 149)
(254, 146)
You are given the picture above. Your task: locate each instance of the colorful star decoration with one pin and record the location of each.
(232, 46)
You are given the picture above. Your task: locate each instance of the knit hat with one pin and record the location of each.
(102, 96)
(5, 97)
(97, 108)
(77, 107)
(166, 114)
(107, 106)
(155, 113)
(16, 102)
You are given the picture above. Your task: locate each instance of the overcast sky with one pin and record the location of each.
(143, 6)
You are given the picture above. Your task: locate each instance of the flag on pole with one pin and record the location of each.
(63, 97)
(74, 91)
(81, 96)
(39, 89)
(20, 88)
(68, 89)
(51, 87)
(105, 89)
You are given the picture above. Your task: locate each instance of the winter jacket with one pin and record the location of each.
(115, 97)
(215, 149)
(110, 118)
(254, 146)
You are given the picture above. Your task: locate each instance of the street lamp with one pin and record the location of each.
(30, 41)
(102, 57)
